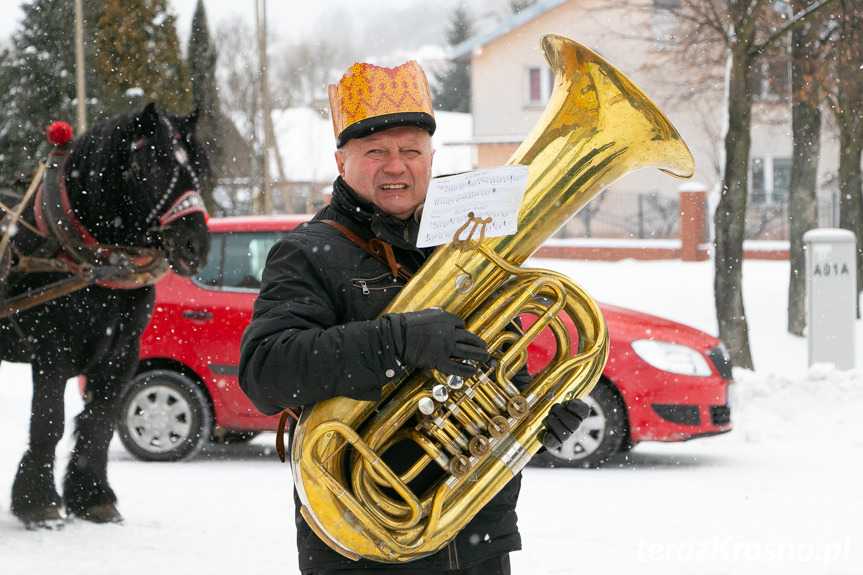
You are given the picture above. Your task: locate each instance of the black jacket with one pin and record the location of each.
(316, 334)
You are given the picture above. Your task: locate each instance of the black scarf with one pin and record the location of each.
(384, 226)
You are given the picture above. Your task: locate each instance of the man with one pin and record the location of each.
(317, 332)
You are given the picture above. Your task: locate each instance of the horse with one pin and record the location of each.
(129, 188)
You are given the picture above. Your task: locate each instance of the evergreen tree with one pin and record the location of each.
(37, 85)
(205, 97)
(128, 45)
(451, 91)
(139, 57)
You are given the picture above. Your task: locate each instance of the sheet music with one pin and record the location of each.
(494, 193)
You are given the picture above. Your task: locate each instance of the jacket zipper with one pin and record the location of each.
(364, 285)
(452, 551)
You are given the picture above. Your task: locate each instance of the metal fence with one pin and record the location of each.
(641, 215)
(649, 215)
(611, 214)
(769, 220)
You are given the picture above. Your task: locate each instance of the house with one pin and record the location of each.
(511, 83)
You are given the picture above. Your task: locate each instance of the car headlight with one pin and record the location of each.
(672, 357)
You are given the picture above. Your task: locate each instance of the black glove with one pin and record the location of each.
(562, 421)
(434, 338)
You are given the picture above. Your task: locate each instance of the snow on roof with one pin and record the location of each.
(306, 145)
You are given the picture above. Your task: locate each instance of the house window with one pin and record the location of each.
(540, 83)
(769, 180)
(756, 180)
(781, 179)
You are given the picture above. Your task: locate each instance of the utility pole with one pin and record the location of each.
(261, 20)
(81, 88)
(270, 143)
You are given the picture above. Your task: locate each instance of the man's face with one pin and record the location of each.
(391, 168)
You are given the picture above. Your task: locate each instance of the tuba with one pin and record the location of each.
(482, 430)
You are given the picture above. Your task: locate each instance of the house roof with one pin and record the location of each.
(465, 48)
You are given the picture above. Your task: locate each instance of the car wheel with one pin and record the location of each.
(628, 445)
(164, 416)
(598, 438)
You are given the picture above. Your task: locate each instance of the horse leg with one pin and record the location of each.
(35, 500)
(86, 490)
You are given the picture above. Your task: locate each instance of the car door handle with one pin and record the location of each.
(198, 315)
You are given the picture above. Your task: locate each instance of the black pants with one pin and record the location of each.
(494, 566)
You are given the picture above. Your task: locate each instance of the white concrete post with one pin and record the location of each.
(831, 282)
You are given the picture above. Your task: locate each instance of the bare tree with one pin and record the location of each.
(239, 77)
(303, 71)
(747, 35)
(807, 67)
(746, 30)
(844, 97)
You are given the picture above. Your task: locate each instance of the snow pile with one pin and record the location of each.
(773, 407)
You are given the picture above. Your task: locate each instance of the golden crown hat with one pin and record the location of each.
(371, 98)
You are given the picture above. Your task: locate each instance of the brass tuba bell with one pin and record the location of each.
(481, 431)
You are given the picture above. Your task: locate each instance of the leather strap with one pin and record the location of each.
(280, 433)
(381, 250)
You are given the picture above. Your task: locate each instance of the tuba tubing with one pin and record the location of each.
(480, 432)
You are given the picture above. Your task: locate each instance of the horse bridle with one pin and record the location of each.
(189, 202)
(79, 254)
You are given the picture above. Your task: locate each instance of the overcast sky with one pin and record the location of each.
(290, 19)
(281, 12)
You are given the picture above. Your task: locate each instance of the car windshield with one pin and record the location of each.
(237, 260)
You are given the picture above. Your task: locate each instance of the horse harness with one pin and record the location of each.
(190, 201)
(67, 246)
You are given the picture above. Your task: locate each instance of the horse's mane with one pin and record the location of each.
(99, 159)
(99, 156)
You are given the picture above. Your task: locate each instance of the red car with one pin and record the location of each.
(663, 381)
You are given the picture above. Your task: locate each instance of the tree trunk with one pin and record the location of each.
(729, 218)
(847, 107)
(850, 183)
(802, 204)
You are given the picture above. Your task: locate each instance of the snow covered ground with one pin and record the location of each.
(777, 495)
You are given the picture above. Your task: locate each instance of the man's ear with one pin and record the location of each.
(340, 162)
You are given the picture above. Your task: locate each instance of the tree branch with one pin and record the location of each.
(792, 25)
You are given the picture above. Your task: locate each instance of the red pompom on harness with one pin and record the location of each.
(59, 133)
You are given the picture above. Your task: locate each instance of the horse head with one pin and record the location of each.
(134, 180)
(166, 160)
